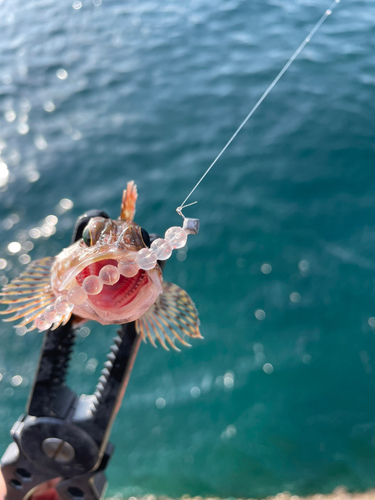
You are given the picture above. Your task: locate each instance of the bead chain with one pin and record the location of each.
(146, 259)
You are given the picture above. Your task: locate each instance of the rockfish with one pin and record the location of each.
(111, 275)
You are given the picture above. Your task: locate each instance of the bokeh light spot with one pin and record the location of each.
(16, 380)
(40, 142)
(4, 174)
(10, 116)
(295, 297)
(267, 368)
(160, 403)
(195, 392)
(49, 106)
(62, 74)
(66, 204)
(266, 268)
(260, 314)
(14, 247)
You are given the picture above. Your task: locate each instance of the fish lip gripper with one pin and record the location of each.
(62, 434)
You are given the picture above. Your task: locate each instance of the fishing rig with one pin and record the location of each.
(62, 434)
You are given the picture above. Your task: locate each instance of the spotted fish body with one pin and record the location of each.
(96, 278)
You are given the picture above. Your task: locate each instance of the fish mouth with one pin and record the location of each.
(121, 302)
(113, 297)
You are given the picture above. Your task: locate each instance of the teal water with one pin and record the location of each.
(279, 395)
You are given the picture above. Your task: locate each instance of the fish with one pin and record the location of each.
(111, 275)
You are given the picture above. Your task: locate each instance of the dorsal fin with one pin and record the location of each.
(129, 200)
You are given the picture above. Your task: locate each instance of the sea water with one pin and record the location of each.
(280, 393)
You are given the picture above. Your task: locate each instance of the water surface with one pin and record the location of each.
(279, 395)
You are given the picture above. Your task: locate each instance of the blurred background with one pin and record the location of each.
(279, 395)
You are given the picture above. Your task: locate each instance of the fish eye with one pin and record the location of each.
(93, 230)
(145, 237)
(84, 220)
(86, 236)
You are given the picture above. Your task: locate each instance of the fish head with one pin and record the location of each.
(100, 276)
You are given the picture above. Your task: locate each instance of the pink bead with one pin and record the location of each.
(50, 314)
(41, 323)
(128, 269)
(57, 319)
(146, 259)
(176, 237)
(92, 285)
(63, 305)
(162, 249)
(76, 295)
(109, 275)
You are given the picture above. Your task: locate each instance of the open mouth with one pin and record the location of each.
(117, 295)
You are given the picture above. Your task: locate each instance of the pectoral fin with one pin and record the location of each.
(29, 294)
(172, 318)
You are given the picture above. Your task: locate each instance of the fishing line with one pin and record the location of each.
(327, 13)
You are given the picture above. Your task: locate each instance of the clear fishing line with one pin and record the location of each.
(327, 13)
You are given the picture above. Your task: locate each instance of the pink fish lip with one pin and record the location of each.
(116, 296)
